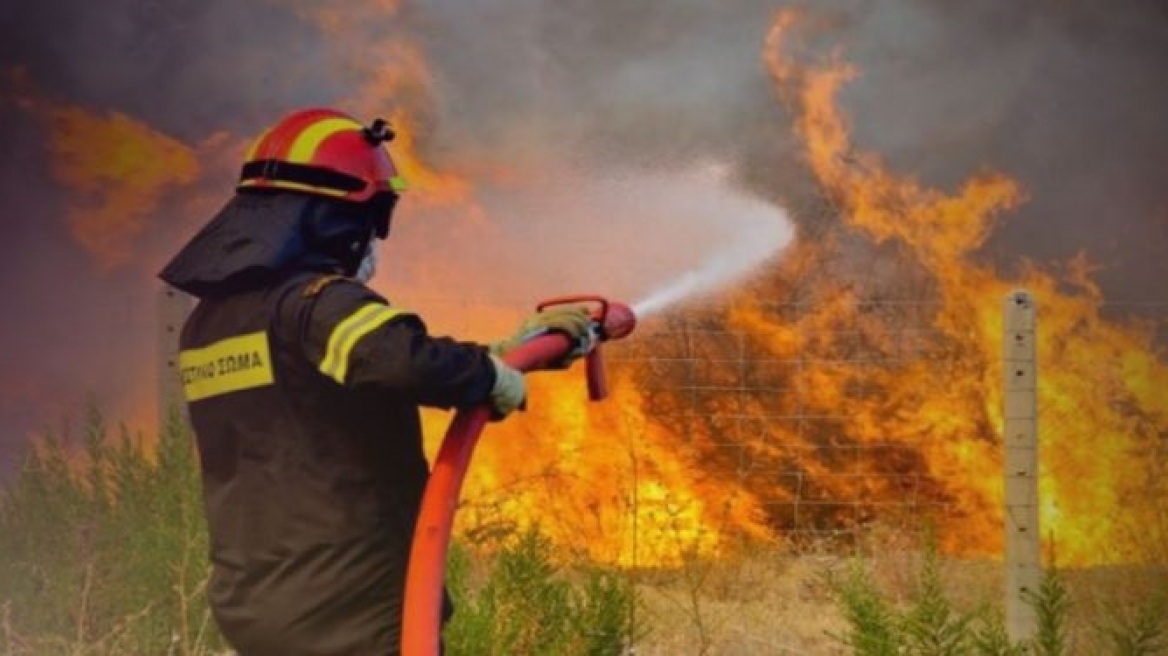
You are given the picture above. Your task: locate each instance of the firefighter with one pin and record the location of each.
(303, 387)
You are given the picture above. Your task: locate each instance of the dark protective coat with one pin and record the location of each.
(304, 397)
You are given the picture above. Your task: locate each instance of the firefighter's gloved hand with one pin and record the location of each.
(575, 322)
(509, 391)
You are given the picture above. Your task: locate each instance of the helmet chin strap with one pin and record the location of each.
(368, 265)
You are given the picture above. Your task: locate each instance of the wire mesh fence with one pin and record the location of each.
(835, 419)
(895, 422)
(865, 424)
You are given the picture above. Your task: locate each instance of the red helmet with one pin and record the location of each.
(322, 152)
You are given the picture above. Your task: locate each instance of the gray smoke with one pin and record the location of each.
(1066, 96)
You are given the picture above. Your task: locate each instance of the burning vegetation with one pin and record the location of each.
(807, 408)
(798, 404)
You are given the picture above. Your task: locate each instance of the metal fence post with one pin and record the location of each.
(1023, 549)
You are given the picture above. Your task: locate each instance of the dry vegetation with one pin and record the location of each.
(761, 603)
(102, 551)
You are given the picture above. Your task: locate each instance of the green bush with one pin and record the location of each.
(104, 547)
(927, 623)
(103, 550)
(1052, 606)
(872, 619)
(1139, 629)
(931, 625)
(521, 603)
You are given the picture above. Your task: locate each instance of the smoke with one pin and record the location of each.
(525, 96)
(1065, 97)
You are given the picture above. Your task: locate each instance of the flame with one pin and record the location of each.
(118, 170)
(393, 78)
(432, 188)
(604, 480)
(839, 412)
(1100, 412)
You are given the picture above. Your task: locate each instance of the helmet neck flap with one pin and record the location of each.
(260, 238)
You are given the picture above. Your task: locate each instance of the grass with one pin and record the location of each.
(954, 607)
(103, 551)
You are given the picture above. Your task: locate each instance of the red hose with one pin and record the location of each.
(422, 615)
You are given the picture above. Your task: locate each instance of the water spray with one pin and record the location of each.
(752, 230)
(731, 264)
(422, 612)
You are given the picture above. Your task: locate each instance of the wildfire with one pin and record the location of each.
(393, 80)
(603, 479)
(607, 480)
(1101, 417)
(434, 188)
(803, 407)
(118, 170)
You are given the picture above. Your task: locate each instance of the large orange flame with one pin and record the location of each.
(118, 170)
(605, 480)
(802, 408)
(115, 168)
(1101, 414)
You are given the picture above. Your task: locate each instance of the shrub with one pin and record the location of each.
(103, 550)
(519, 602)
(104, 546)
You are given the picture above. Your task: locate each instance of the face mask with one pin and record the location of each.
(368, 264)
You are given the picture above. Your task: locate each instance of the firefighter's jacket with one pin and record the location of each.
(304, 398)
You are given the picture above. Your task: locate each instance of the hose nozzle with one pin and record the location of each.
(617, 322)
(613, 321)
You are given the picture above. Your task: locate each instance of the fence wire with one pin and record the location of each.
(830, 465)
(878, 416)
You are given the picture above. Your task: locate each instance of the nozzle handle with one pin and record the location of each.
(594, 371)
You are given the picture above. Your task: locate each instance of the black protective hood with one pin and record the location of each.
(250, 240)
(260, 237)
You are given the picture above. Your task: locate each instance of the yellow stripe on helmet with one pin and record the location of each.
(255, 146)
(348, 332)
(306, 143)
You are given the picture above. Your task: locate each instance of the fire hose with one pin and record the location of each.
(421, 618)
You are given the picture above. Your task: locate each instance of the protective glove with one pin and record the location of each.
(575, 322)
(509, 391)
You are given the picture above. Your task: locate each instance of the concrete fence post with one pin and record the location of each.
(173, 308)
(1020, 435)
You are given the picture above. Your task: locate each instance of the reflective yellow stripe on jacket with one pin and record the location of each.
(229, 365)
(348, 332)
